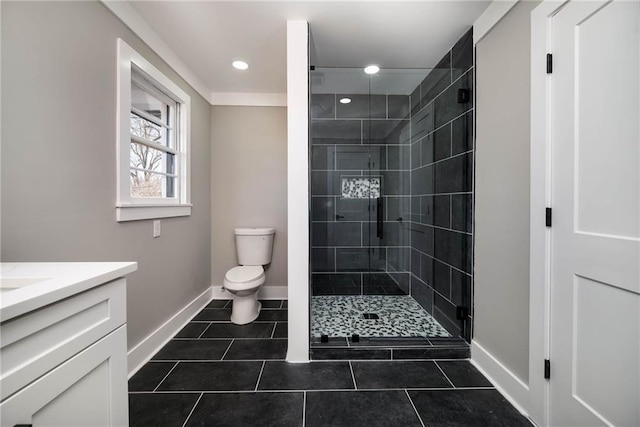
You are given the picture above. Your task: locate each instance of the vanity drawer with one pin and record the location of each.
(38, 341)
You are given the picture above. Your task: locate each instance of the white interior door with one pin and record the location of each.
(595, 281)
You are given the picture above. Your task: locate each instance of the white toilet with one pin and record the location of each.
(254, 247)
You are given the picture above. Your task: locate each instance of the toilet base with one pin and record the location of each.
(245, 309)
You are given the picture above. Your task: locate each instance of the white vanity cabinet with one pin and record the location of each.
(65, 363)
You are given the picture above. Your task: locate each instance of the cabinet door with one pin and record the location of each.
(90, 389)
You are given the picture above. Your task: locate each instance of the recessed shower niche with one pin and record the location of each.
(391, 199)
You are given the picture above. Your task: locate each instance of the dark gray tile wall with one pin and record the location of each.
(368, 137)
(441, 166)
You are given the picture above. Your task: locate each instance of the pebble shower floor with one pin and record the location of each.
(399, 316)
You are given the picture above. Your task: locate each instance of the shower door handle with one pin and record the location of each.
(379, 218)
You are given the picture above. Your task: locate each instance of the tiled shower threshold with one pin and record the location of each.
(340, 348)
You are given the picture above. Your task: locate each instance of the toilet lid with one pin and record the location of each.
(244, 273)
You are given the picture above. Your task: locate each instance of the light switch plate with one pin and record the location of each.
(156, 228)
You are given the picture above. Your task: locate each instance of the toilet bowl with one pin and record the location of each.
(254, 247)
(243, 283)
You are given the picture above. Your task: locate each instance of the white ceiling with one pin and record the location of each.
(208, 35)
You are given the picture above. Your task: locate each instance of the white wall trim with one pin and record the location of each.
(490, 17)
(298, 189)
(540, 191)
(265, 292)
(506, 382)
(136, 23)
(249, 99)
(145, 349)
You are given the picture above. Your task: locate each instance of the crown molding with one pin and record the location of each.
(249, 99)
(490, 17)
(136, 23)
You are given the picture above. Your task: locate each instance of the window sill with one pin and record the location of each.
(140, 212)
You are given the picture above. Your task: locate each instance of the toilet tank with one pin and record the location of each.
(254, 246)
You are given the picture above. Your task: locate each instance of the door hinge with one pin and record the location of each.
(547, 217)
(547, 369)
(549, 63)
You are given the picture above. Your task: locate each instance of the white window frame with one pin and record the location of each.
(129, 208)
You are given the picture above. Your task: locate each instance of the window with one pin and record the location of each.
(153, 141)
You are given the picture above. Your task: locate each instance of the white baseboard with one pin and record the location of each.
(505, 381)
(265, 292)
(144, 350)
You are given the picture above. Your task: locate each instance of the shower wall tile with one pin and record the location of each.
(427, 213)
(422, 293)
(336, 132)
(397, 207)
(442, 278)
(454, 175)
(396, 183)
(398, 259)
(336, 234)
(398, 157)
(362, 107)
(422, 180)
(415, 209)
(384, 131)
(323, 208)
(323, 259)
(422, 238)
(462, 212)
(323, 106)
(426, 269)
(423, 122)
(446, 106)
(394, 234)
(442, 211)
(442, 143)
(398, 106)
(325, 183)
(415, 262)
(359, 157)
(323, 157)
(462, 55)
(460, 288)
(416, 154)
(353, 209)
(462, 134)
(442, 183)
(415, 101)
(360, 259)
(436, 81)
(453, 248)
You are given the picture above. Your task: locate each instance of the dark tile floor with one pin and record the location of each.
(214, 373)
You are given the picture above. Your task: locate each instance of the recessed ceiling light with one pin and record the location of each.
(372, 69)
(240, 65)
(345, 100)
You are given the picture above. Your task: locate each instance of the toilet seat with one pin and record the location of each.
(244, 277)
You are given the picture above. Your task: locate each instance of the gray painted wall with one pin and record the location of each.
(58, 159)
(248, 184)
(502, 190)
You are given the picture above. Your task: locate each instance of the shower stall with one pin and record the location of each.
(391, 164)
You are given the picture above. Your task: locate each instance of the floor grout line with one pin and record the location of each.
(304, 408)
(205, 330)
(165, 377)
(414, 407)
(192, 409)
(225, 353)
(445, 375)
(260, 375)
(353, 377)
(275, 324)
(459, 389)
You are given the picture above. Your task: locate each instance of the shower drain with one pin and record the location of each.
(370, 316)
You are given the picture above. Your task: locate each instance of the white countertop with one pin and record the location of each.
(27, 286)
